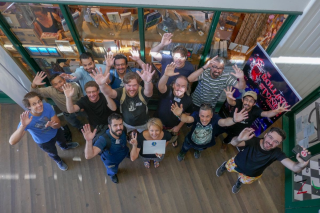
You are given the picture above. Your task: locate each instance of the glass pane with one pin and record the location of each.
(189, 31)
(238, 33)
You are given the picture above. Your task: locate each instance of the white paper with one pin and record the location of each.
(154, 146)
(244, 49)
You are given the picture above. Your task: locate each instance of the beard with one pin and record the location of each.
(117, 133)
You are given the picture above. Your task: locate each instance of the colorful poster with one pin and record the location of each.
(265, 78)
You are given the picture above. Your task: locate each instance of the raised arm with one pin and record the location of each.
(109, 62)
(241, 84)
(229, 93)
(90, 151)
(101, 80)
(19, 133)
(134, 153)
(146, 76)
(169, 71)
(165, 40)
(237, 117)
(38, 81)
(245, 135)
(195, 75)
(296, 166)
(281, 108)
(68, 92)
(177, 111)
(136, 57)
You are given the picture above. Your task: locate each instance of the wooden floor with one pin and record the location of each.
(31, 182)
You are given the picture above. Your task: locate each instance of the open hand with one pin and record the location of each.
(176, 110)
(229, 93)
(240, 116)
(166, 39)
(39, 78)
(210, 62)
(24, 119)
(99, 77)
(169, 71)
(109, 59)
(51, 124)
(246, 134)
(238, 72)
(146, 74)
(67, 76)
(134, 55)
(87, 134)
(68, 90)
(282, 108)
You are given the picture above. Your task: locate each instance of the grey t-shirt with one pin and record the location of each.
(133, 110)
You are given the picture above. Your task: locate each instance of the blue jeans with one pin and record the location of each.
(112, 161)
(72, 119)
(187, 144)
(50, 146)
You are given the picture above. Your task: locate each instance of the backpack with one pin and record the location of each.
(124, 95)
(101, 131)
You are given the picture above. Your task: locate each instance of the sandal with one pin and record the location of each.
(147, 164)
(156, 164)
(175, 144)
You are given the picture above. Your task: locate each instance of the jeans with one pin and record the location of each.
(50, 146)
(187, 144)
(72, 119)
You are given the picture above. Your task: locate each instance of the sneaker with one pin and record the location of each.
(197, 154)
(114, 178)
(221, 169)
(236, 188)
(62, 165)
(181, 156)
(71, 145)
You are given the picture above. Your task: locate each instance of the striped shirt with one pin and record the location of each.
(209, 89)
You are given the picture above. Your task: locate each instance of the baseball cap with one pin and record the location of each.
(252, 94)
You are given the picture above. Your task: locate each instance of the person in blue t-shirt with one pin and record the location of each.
(179, 57)
(44, 126)
(204, 126)
(120, 63)
(112, 151)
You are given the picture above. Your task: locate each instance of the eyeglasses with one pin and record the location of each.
(218, 68)
(275, 141)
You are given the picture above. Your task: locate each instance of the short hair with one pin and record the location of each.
(29, 95)
(155, 122)
(130, 76)
(206, 107)
(183, 77)
(113, 116)
(91, 84)
(53, 77)
(279, 131)
(39, 9)
(86, 55)
(220, 60)
(180, 49)
(120, 56)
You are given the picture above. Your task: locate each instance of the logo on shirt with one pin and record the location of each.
(139, 104)
(41, 124)
(132, 107)
(202, 135)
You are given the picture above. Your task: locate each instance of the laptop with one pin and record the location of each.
(154, 146)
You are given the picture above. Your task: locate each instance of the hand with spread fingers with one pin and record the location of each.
(238, 72)
(51, 124)
(246, 134)
(240, 116)
(87, 134)
(229, 93)
(166, 39)
(37, 81)
(67, 76)
(99, 77)
(169, 71)
(282, 108)
(177, 111)
(68, 90)
(24, 119)
(147, 73)
(210, 62)
(134, 55)
(109, 59)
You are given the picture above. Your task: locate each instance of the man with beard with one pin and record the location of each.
(247, 103)
(44, 126)
(113, 153)
(120, 63)
(179, 57)
(132, 97)
(175, 93)
(258, 154)
(204, 126)
(82, 74)
(55, 92)
(98, 106)
(212, 80)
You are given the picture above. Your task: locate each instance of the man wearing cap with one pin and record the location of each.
(248, 102)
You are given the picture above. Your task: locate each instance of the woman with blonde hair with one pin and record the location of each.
(154, 132)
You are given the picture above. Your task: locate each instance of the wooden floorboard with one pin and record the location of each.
(31, 182)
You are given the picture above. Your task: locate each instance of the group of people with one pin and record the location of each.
(118, 99)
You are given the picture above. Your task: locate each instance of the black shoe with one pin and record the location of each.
(197, 154)
(114, 178)
(181, 156)
(221, 169)
(236, 188)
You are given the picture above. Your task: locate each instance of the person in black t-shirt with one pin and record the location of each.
(133, 104)
(98, 106)
(176, 93)
(247, 102)
(155, 132)
(204, 126)
(258, 154)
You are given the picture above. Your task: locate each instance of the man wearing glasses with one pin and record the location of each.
(247, 102)
(212, 80)
(179, 57)
(120, 63)
(258, 154)
(205, 124)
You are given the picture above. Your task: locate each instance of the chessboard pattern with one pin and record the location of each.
(304, 181)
